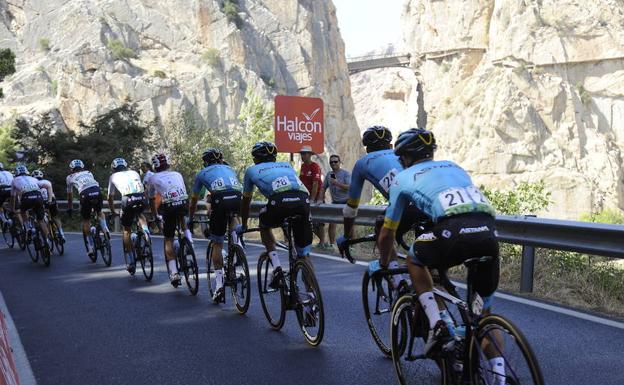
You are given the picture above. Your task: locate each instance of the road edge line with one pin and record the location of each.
(24, 370)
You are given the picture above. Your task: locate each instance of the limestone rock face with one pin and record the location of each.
(524, 90)
(179, 55)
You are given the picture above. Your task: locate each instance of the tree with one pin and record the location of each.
(526, 198)
(7, 65)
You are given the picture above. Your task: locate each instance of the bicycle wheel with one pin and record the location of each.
(273, 301)
(145, 256)
(30, 245)
(378, 299)
(56, 238)
(189, 266)
(498, 337)
(310, 312)
(408, 332)
(8, 235)
(105, 247)
(240, 282)
(210, 274)
(44, 248)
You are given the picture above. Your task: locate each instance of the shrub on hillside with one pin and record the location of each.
(119, 50)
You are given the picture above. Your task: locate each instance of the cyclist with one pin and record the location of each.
(287, 196)
(49, 203)
(379, 167)
(167, 194)
(6, 180)
(25, 191)
(90, 199)
(224, 191)
(146, 171)
(463, 225)
(130, 187)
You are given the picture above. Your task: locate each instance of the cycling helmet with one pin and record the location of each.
(37, 174)
(376, 136)
(119, 164)
(212, 156)
(264, 151)
(415, 142)
(160, 162)
(76, 164)
(21, 170)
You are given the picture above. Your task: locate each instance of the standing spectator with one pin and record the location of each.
(311, 177)
(338, 181)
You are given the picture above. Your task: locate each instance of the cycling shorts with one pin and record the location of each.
(172, 213)
(283, 205)
(52, 208)
(33, 201)
(90, 200)
(132, 205)
(456, 239)
(5, 194)
(221, 205)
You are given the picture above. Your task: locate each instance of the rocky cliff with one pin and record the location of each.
(81, 58)
(522, 91)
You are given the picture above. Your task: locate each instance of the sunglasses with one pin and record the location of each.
(334, 161)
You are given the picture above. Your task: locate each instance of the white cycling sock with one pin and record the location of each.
(498, 367)
(274, 259)
(188, 235)
(173, 268)
(103, 225)
(218, 279)
(431, 308)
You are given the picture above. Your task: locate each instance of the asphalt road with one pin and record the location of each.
(83, 323)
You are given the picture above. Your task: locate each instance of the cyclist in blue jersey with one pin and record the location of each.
(463, 225)
(287, 196)
(224, 197)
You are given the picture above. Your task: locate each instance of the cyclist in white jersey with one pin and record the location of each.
(90, 199)
(25, 192)
(6, 179)
(167, 194)
(49, 203)
(128, 183)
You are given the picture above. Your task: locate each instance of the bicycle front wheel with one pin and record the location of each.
(273, 300)
(189, 266)
(498, 337)
(145, 256)
(30, 246)
(210, 272)
(240, 282)
(408, 333)
(310, 312)
(56, 238)
(105, 247)
(378, 298)
(44, 249)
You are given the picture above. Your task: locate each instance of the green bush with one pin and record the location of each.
(212, 57)
(526, 198)
(54, 86)
(614, 217)
(231, 10)
(160, 74)
(583, 94)
(269, 81)
(7, 65)
(44, 44)
(120, 51)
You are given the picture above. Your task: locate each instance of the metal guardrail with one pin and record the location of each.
(528, 231)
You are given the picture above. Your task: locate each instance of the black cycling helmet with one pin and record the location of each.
(417, 143)
(212, 156)
(264, 151)
(377, 136)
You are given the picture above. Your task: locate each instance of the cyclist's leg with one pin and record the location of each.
(182, 211)
(170, 218)
(302, 233)
(39, 211)
(54, 215)
(267, 219)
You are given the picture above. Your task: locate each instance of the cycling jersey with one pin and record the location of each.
(169, 185)
(379, 168)
(216, 178)
(45, 186)
(24, 184)
(6, 178)
(126, 182)
(81, 180)
(271, 178)
(437, 188)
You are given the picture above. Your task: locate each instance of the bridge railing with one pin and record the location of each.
(528, 231)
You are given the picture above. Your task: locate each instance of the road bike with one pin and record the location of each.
(36, 242)
(297, 290)
(8, 228)
(477, 337)
(235, 269)
(55, 239)
(141, 244)
(101, 241)
(185, 260)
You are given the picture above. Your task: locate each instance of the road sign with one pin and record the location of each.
(299, 123)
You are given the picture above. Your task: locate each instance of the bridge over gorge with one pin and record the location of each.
(364, 63)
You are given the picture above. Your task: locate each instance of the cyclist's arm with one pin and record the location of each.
(398, 202)
(193, 205)
(386, 245)
(13, 198)
(350, 209)
(245, 207)
(248, 187)
(111, 196)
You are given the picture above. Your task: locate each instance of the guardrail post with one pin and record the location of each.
(528, 267)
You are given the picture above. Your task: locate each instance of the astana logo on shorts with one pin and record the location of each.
(446, 234)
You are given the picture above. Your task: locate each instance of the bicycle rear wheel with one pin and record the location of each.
(145, 256)
(7, 234)
(378, 299)
(105, 247)
(189, 266)
(240, 282)
(498, 337)
(408, 332)
(210, 273)
(310, 312)
(273, 300)
(30, 246)
(44, 248)
(56, 238)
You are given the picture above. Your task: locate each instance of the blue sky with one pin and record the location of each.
(366, 25)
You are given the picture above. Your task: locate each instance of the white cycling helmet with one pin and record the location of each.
(37, 174)
(119, 163)
(21, 170)
(76, 163)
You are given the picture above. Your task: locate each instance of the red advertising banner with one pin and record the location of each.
(8, 372)
(299, 124)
